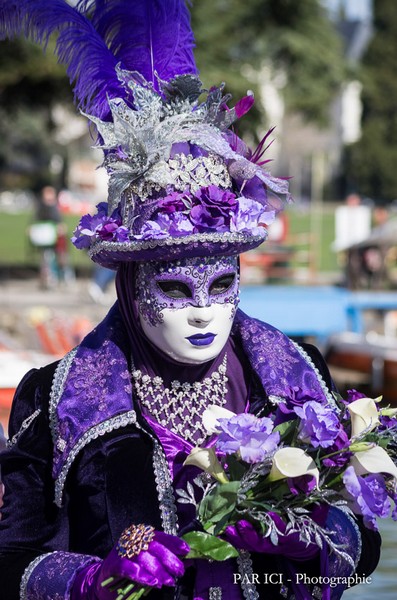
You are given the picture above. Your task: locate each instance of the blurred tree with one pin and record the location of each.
(296, 38)
(30, 85)
(371, 162)
(29, 78)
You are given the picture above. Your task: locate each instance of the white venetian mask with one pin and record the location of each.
(186, 307)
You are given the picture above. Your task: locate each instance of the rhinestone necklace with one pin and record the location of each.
(181, 406)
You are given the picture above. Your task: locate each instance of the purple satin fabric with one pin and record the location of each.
(216, 575)
(244, 536)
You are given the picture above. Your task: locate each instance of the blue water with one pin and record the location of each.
(383, 584)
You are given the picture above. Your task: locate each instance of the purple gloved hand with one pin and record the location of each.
(143, 556)
(244, 536)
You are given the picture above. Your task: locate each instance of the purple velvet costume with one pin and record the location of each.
(108, 466)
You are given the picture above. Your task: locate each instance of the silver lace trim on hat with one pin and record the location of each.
(136, 246)
(182, 172)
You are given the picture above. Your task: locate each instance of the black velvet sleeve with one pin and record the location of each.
(29, 523)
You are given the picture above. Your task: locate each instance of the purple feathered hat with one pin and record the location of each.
(181, 183)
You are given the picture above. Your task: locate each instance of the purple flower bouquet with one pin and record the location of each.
(275, 476)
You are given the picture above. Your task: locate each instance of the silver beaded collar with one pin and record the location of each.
(181, 406)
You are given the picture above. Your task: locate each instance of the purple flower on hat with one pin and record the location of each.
(100, 227)
(153, 230)
(172, 203)
(212, 209)
(369, 496)
(249, 214)
(252, 437)
(319, 424)
(179, 224)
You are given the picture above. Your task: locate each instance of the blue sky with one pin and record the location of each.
(355, 9)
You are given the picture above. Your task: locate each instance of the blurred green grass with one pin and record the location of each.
(15, 249)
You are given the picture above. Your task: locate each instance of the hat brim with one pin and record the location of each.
(110, 254)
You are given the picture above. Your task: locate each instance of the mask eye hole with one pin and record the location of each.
(174, 289)
(222, 284)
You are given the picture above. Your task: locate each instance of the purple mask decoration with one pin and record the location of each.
(198, 282)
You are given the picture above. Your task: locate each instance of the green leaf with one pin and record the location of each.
(286, 429)
(205, 545)
(219, 503)
(235, 468)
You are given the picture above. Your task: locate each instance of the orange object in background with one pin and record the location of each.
(54, 336)
(6, 397)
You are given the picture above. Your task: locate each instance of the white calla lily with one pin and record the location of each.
(364, 415)
(212, 414)
(292, 462)
(374, 460)
(206, 460)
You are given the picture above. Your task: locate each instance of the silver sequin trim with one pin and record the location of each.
(317, 593)
(23, 593)
(185, 240)
(215, 593)
(244, 563)
(25, 424)
(165, 491)
(319, 377)
(107, 426)
(58, 384)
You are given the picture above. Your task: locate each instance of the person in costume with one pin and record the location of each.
(99, 439)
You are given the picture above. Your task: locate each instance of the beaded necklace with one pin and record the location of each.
(181, 406)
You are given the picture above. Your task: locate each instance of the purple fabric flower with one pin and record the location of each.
(369, 496)
(250, 436)
(100, 226)
(319, 424)
(212, 209)
(179, 224)
(155, 230)
(249, 214)
(340, 443)
(172, 203)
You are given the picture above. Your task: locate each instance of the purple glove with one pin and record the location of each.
(142, 555)
(243, 535)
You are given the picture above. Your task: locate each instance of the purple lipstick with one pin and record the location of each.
(201, 339)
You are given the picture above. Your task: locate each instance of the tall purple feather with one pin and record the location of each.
(148, 36)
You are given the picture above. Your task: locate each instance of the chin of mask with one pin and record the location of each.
(186, 307)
